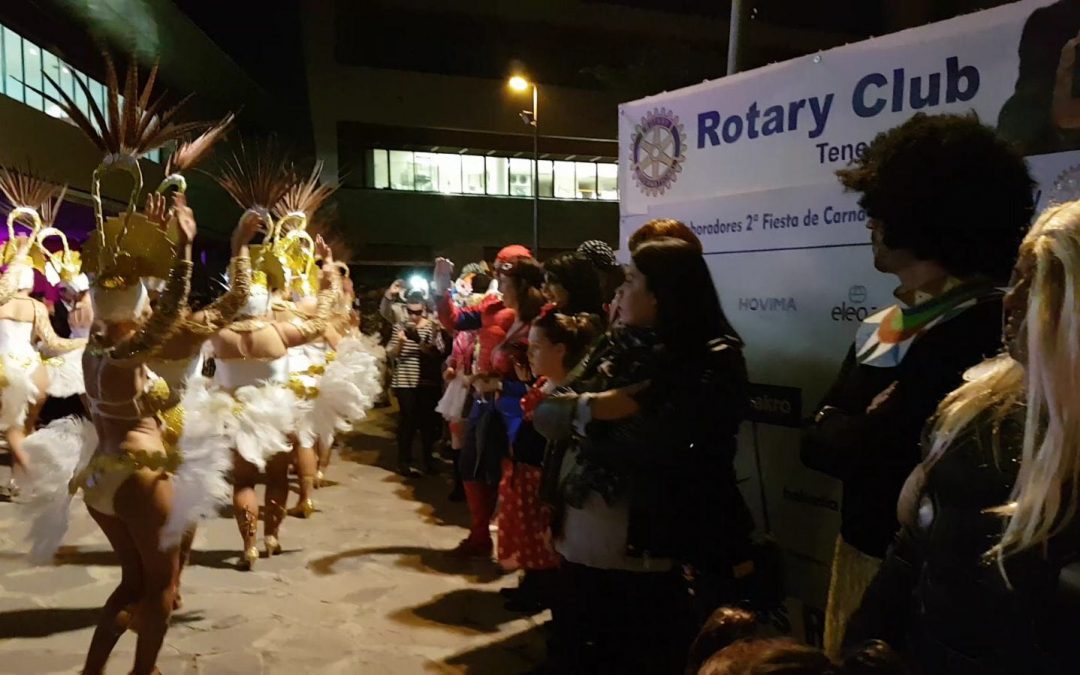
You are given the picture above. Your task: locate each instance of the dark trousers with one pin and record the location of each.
(417, 414)
(611, 621)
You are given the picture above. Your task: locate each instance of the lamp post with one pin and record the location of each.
(532, 118)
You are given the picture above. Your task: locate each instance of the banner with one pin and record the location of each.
(749, 162)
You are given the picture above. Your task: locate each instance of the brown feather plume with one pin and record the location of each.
(23, 189)
(190, 153)
(321, 227)
(306, 196)
(140, 124)
(49, 208)
(256, 176)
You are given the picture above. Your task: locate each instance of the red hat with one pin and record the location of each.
(508, 253)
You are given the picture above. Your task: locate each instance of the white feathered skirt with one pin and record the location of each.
(345, 391)
(66, 374)
(18, 390)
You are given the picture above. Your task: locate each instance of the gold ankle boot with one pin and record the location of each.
(303, 509)
(251, 555)
(273, 546)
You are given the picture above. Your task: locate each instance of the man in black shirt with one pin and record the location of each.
(948, 203)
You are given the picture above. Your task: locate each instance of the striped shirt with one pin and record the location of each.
(407, 366)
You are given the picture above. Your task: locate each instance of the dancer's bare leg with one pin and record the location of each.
(185, 553)
(325, 453)
(306, 466)
(110, 624)
(20, 461)
(277, 492)
(246, 507)
(143, 503)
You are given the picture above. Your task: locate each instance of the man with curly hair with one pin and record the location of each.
(948, 202)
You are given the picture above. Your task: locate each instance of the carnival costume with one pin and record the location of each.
(339, 381)
(35, 201)
(122, 392)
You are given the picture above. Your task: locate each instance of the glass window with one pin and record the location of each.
(521, 177)
(76, 90)
(586, 180)
(496, 175)
(546, 178)
(401, 170)
(607, 181)
(98, 90)
(450, 173)
(380, 170)
(565, 180)
(472, 175)
(13, 62)
(50, 65)
(426, 171)
(32, 74)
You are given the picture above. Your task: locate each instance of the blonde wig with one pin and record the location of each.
(1044, 498)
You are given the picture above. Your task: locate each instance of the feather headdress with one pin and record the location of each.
(295, 211)
(134, 122)
(37, 200)
(257, 177)
(190, 153)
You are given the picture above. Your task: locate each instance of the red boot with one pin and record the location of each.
(481, 500)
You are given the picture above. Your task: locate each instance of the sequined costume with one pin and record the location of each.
(69, 449)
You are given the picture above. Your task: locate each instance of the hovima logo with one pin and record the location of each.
(854, 308)
(767, 305)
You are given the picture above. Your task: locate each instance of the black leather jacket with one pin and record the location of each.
(674, 458)
(946, 604)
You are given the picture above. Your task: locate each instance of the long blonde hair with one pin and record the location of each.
(1044, 499)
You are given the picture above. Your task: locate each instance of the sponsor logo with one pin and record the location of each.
(767, 305)
(772, 404)
(857, 311)
(657, 151)
(803, 497)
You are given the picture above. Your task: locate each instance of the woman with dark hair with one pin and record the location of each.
(572, 284)
(648, 485)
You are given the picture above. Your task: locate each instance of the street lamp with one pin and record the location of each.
(531, 118)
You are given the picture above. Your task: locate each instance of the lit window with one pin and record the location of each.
(13, 75)
(565, 180)
(496, 175)
(98, 90)
(426, 171)
(80, 96)
(50, 65)
(472, 175)
(521, 177)
(401, 170)
(380, 170)
(546, 179)
(32, 74)
(607, 181)
(586, 180)
(450, 173)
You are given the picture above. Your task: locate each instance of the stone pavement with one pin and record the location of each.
(365, 586)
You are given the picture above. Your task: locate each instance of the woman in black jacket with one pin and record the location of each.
(649, 484)
(984, 576)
